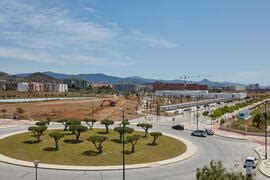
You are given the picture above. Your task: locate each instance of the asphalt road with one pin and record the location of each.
(230, 151)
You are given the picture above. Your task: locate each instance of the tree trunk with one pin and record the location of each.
(107, 129)
(133, 148)
(145, 133)
(56, 144)
(78, 136)
(100, 150)
(155, 139)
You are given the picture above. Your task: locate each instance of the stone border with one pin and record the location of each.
(190, 152)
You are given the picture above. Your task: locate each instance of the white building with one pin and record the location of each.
(201, 94)
(53, 87)
(23, 87)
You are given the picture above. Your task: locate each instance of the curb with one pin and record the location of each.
(190, 152)
(259, 168)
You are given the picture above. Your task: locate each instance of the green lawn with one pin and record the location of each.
(23, 146)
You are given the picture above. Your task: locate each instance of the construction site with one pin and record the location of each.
(95, 107)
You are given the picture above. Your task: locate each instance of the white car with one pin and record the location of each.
(251, 162)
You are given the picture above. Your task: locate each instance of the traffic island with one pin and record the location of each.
(21, 149)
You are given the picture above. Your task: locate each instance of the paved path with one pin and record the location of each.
(230, 151)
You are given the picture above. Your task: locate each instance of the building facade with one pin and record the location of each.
(76, 83)
(36, 87)
(127, 87)
(23, 87)
(158, 86)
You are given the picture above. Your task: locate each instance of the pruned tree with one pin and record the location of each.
(121, 130)
(56, 136)
(133, 141)
(258, 120)
(146, 127)
(20, 111)
(97, 142)
(77, 129)
(67, 123)
(41, 123)
(92, 121)
(37, 131)
(107, 123)
(216, 170)
(155, 136)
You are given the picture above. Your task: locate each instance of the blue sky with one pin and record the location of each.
(166, 39)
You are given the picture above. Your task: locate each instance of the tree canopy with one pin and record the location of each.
(216, 171)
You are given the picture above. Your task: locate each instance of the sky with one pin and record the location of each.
(224, 40)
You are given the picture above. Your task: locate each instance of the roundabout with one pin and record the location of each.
(21, 148)
(231, 151)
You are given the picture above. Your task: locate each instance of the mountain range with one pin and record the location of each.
(103, 78)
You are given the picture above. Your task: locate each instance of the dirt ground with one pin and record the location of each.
(73, 109)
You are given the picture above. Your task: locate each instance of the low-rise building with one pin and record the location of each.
(237, 88)
(127, 87)
(23, 87)
(253, 87)
(76, 83)
(36, 87)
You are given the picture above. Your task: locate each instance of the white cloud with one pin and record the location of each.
(151, 40)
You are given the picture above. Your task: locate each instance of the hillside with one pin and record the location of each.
(40, 77)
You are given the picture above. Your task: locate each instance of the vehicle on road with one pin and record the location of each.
(178, 127)
(209, 132)
(251, 162)
(199, 133)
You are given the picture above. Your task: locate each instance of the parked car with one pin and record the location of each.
(199, 133)
(251, 162)
(178, 127)
(209, 132)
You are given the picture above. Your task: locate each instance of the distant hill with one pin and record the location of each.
(4, 76)
(103, 78)
(41, 77)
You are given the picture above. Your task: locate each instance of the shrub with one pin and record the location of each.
(56, 136)
(145, 126)
(107, 123)
(41, 123)
(133, 141)
(217, 171)
(77, 129)
(97, 142)
(121, 130)
(155, 136)
(92, 121)
(37, 131)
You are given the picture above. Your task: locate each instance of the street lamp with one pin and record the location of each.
(265, 127)
(123, 145)
(36, 163)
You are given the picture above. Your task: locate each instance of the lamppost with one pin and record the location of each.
(123, 145)
(36, 163)
(265, 127)
(197, 115)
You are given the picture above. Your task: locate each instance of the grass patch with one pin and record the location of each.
(24, 147)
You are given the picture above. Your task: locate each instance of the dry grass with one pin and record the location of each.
(73, 109)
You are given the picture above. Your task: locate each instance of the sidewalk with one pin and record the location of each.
(264, 166)
(6, 123)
